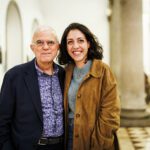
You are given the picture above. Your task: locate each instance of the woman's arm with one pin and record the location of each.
(109, 114)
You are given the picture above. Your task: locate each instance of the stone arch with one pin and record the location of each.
(14, 37)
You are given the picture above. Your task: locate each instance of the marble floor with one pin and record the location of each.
(134, 138)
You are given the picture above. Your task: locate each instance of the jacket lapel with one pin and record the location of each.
(61, 77)
(68, 77)
(32, 84)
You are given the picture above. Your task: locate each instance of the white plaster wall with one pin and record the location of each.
(29, 11)
(91, 13)
(3, 8)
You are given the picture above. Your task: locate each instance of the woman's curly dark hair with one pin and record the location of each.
(95, 50)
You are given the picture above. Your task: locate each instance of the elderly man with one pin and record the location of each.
(31, 99)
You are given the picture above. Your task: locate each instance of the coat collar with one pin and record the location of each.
(96, 69)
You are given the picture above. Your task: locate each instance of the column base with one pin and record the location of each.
(135, 118)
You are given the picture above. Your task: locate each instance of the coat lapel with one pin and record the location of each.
(68, 77)
(32, 84)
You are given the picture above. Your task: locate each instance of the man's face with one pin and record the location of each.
(45, 47)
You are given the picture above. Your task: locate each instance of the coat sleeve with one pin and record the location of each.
(6, 109)
(109, 114)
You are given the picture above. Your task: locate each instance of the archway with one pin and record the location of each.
(14, 50)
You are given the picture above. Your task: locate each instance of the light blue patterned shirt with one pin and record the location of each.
(52, 103)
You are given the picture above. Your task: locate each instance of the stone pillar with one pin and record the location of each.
(127, 60)
(132, 71)
(115, 38)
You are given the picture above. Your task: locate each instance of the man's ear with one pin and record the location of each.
(32, 47)
(58, 46)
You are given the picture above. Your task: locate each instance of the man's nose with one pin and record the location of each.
(45, 45)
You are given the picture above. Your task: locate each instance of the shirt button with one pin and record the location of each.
(76, 135)
(77, 115)
(79, 96)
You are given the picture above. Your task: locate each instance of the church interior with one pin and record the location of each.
(123, 29)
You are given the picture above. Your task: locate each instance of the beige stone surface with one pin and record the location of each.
(134, 138)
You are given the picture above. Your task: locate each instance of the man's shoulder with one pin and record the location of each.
(60, 67)
(19, 68)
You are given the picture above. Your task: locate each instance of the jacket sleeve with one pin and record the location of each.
(6, 109)
(109, 114)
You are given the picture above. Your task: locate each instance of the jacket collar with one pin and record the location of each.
(95, 70)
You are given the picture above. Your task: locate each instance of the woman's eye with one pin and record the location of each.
(69, 42)
(81, 41)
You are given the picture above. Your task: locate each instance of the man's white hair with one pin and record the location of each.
(43, 28)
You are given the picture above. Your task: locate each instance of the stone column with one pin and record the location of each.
(132, 71)
(126, 60)
(115, 38)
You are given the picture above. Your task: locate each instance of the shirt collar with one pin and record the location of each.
(41, 72)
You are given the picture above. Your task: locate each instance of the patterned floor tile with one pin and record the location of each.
(136, 138)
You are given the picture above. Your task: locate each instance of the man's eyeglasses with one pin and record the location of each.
(41, 43)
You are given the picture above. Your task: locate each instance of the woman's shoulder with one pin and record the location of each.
(100, 65)
(104, 69)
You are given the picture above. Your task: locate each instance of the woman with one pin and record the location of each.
(92, 108)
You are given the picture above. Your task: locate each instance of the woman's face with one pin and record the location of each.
(77, 47)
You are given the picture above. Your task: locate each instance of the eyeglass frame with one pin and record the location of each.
(40, 43)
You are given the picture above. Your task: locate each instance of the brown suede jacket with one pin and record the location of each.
(97, 113)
